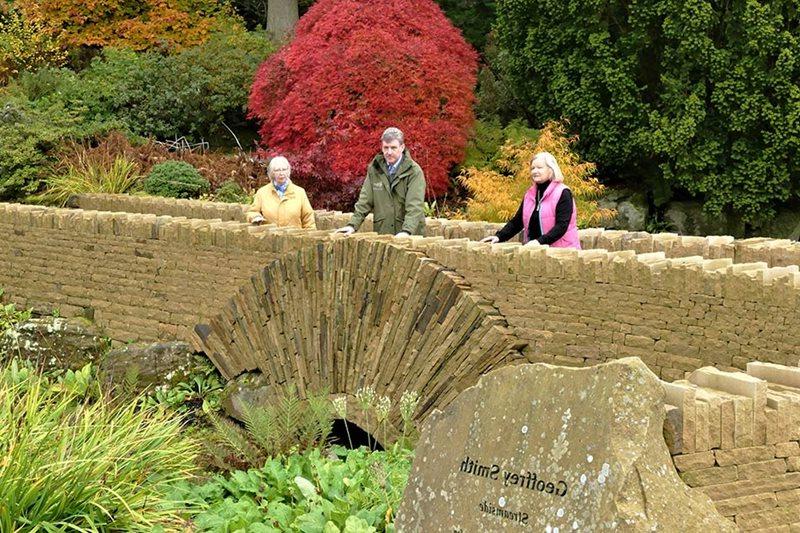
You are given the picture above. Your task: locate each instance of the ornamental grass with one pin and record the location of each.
(85, 175)
(72, 462)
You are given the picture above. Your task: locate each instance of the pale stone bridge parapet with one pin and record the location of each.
(774, 252)
(735, 436)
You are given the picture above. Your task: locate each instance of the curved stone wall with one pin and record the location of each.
(147, 277)
(359, 312)
(582, 307)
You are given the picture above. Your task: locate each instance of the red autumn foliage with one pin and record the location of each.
(353, 69)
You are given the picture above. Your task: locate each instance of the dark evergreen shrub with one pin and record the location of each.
(693, 94)
(176, 179)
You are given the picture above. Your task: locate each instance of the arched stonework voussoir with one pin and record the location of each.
(360, 312)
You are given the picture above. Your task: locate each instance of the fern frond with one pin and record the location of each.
(232, 436)
(317, 420)
(261, 426)
(130, 380)
(290, 414)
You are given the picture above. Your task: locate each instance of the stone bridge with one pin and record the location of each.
(433, 313)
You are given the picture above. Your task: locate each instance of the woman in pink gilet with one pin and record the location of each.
(547, 214)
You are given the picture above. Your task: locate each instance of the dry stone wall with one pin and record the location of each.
(734, 436)
(141, 277)
(677, 315)
(774, 252)
(148, 276)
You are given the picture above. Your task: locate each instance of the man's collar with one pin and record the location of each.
(396, 164)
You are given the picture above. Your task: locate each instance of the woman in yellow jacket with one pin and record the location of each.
(281, 202)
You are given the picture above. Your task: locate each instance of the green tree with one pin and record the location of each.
(198, 88)
(29, 134)
(694, 94)
(473, 17)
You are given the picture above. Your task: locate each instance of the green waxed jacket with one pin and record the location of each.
(395, 206)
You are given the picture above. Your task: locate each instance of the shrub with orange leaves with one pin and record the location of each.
(170, 24)
(497, 190)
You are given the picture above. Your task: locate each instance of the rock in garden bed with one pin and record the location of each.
(55, 342)
(149, 364)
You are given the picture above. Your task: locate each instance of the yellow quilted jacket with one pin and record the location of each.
(293, 209)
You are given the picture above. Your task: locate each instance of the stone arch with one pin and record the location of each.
(360, 312)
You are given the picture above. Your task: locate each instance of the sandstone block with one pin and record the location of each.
(745, 385)
(770, 518)
(683, 397)
(747, 504)
(694, 461)
(505, 454)
(746, 487)
(740, 456)
(787, 449)
(762, 469)
(788, 497)
(716, 475)
(779, 374)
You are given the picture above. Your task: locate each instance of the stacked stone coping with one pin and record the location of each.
(774, 252)
(736, 437)
(571, 307)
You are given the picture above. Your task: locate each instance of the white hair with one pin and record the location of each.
(393, 134)
(274, 161)
(550, 162)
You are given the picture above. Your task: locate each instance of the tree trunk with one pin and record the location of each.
(281, 17)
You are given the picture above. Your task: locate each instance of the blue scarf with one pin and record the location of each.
(281, 189)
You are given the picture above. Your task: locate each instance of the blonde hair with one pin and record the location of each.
(550, 162)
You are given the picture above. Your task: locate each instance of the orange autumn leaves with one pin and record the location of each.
(135, 24)
(496, 191)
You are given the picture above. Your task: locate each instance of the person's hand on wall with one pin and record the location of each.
(402, 234)
(493, 239)
(534, 242)
(257, 220)
(346, 230)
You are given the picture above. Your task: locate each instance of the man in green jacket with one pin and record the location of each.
(394, 191)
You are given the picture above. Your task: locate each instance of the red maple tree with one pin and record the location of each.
(354, 68)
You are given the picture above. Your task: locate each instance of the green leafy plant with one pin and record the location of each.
(85, 176)
(343, 490)
(685, 94)
(232, 193)
(198, 394)
(79, 383)
(10, 316)
(199, 88)
(73, 463)
(175, 179)
(288, 423)
(30, 132)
